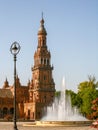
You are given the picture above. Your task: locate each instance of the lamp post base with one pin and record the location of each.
(15, 128)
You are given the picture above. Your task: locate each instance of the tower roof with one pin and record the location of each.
(42, 29)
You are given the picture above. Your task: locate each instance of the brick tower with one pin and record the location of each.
(42, 86)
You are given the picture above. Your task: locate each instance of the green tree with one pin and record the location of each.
(87, 93)
(87, 96)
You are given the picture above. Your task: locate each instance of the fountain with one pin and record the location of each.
(62, 113)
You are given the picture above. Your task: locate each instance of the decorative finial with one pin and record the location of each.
(42, 15)
(42, 20)
(6, 79)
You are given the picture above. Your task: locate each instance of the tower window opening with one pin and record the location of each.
(45, 98)
(39, 114)
(45, 61)
(41, 60)
(43, 42)
(44, 77)
(28, 114)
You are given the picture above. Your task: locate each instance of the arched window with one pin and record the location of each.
(5, 111)
(12, 110)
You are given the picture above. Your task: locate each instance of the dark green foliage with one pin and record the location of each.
(77, 101)
(57, 94)
(73, 96)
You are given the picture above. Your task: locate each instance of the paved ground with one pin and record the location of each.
(9, 126)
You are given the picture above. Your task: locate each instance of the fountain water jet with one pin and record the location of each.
(61, 110)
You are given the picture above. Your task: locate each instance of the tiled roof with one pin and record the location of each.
(6, 93)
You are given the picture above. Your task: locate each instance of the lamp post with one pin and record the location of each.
(15, 48)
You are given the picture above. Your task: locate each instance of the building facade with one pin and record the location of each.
(40, 91)
(7, 97)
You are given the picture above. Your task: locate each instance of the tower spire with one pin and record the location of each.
(42, 15)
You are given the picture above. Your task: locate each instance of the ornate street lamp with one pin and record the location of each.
(15, 48)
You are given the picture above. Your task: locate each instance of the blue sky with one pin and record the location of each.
(72, 27)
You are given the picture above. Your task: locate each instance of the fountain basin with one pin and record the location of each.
(63, 123)
(59, 123)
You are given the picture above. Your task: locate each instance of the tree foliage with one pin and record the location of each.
(87, 92)
(57, 93)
